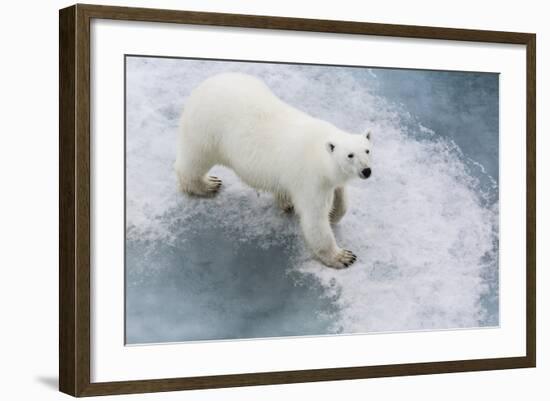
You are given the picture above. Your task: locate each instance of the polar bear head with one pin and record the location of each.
(351, 155)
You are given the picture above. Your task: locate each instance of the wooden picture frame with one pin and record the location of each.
(74, 199)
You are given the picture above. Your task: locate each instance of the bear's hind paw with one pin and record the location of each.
(285, 204)
(213, 184)
(288, 208)
(204, 187)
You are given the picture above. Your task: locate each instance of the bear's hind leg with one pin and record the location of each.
(193, 180)
(339, 205)
(204, 186)
(284, 202)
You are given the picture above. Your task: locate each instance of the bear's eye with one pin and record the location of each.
(368, 151)
(350, 155)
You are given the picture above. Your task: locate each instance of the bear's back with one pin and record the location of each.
(231, 105)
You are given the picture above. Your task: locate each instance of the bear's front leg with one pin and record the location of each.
(339, 205)
(319, 236)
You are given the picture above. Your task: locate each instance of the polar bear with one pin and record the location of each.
(234, 120)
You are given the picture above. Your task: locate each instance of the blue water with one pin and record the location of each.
(425, 226)
(460, 106)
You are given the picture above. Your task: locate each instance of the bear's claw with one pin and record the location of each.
(213, 184)
(345, 259)
(288, 209)
(285, 203)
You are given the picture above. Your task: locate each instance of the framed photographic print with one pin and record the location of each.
(250, 200)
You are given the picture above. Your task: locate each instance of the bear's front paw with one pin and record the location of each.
(333, 215)
(342, 259)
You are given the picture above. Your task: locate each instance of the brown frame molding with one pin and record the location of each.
(74, 199)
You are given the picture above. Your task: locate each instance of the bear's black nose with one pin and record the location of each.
(366, 172)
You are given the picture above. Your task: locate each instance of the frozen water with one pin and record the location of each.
(424, 226)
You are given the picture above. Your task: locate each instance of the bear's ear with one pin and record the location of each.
(367, 135)
(330, 147)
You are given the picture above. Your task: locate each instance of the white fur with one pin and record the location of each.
(234, 120)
